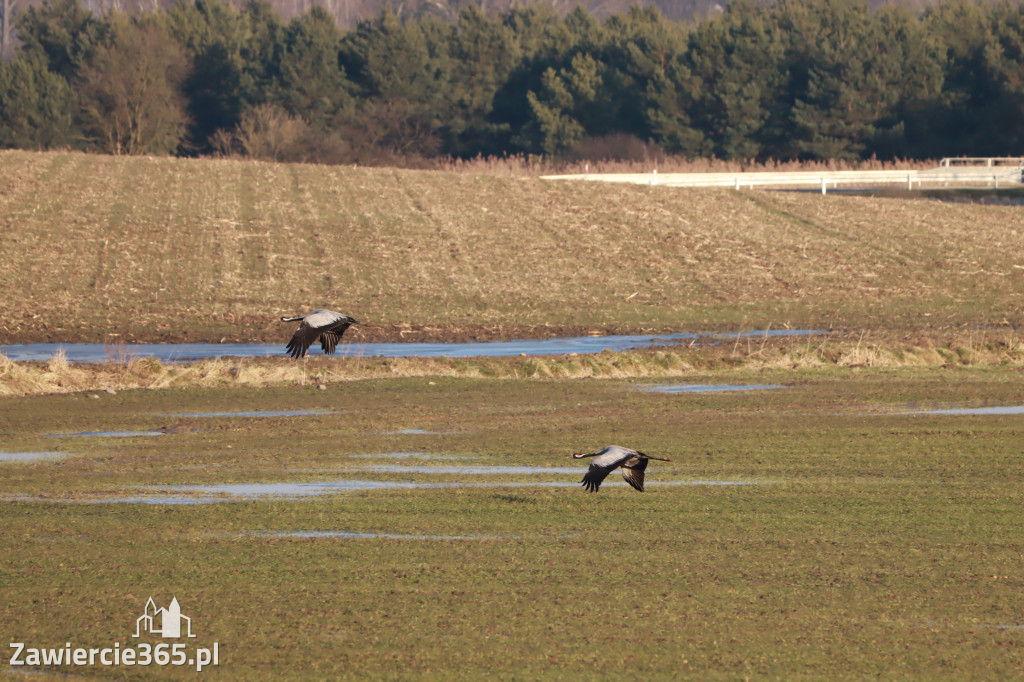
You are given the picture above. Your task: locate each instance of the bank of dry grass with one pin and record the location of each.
(108, 249)
(522, 165)
(1000, 347)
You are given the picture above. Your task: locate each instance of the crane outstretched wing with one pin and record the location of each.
(633, 472)
(302, 339)
(595, 474)
(329, 339)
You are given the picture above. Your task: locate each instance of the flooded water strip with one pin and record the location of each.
(412, 455)
(295, 491)
(353, 535)
(962, 411)
(31, 456)
(706, 388)
(108, 434)
(255, 413)
(488, 470)
(190, 352)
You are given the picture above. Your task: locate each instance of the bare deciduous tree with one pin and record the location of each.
(130, 92)
(8, 8)
(269, 132)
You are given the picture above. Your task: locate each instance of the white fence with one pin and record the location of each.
(990, 172)
(1016, 161)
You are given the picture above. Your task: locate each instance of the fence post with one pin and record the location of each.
(823, 187)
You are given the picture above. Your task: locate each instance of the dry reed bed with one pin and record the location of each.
(108, 249)
(59, 376)
(522, 165)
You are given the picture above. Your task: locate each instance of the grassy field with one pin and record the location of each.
(831, 526)
(110, 249)
(865, 541)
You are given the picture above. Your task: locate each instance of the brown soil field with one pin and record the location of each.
(115, 249)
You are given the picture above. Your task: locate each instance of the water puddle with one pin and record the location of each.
(292, 491)
(352, 535)
(973, 626)
(707, 388)
(108, 434)
(414, 432)
(473, 471)
(412, 455)
(189, 352)
(30, 456)
(280, 490)
(256, 413)
(1005, 409)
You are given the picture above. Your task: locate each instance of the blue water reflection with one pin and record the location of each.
(706, 388)
(188, 352)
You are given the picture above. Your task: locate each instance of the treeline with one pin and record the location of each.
(796, 79)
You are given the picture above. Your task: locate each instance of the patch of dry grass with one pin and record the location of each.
(523, 165)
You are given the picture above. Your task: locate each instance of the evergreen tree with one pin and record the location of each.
(310, 83)
(36, 105)
(539, 31)
(543, 40)
(553, 129)
(905, 83)
(1004, 57)
(399, 74)
(638, 46)
(671, 97)
(729, 79)
(570, 93)
(261, 52)
(212, 34)
(830, 61)
(482, 54)
(63, 32)
(982, 98)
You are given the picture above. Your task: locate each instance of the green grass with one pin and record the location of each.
(874, 543)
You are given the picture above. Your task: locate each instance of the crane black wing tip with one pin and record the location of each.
(639, 487)
(295, 349)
